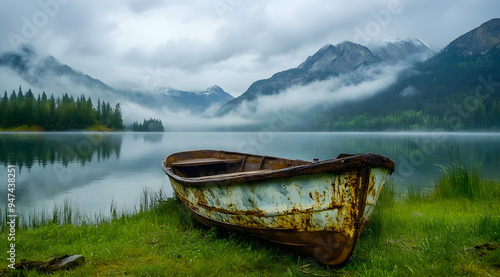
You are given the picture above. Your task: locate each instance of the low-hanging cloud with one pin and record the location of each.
(409, 91)
(292, 103)
(327, 93)
(182, 120)
(10, 80)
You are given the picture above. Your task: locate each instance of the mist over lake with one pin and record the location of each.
(94, 170)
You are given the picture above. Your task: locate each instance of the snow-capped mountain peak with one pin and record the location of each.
(195, 101)
(215, 89)
(397, 49)
(409, 40)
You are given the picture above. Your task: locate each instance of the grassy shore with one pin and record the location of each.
(446, 233)
(36, 128)
(99, 128)
(24, 128)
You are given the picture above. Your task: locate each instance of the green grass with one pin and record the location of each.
(36, 128)
(428, 236)
(443, 233)
(24, 128)
(99, 128)
(163, 241)
(420, 235)
(458, 181)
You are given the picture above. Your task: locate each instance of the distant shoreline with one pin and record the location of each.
(394, 132)
(36, 128)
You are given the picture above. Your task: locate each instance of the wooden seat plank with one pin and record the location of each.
(230, 174)
(207, 161)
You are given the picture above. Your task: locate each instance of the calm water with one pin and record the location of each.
(92, 170)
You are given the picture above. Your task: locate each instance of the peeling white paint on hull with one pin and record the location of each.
(320, 214)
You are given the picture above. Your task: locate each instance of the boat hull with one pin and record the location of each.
(319, 214)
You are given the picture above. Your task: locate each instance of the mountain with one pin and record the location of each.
(47, 73)
(346, 59)
(343, 87)
(456, 89)
(195, 101)
(478, 41)
(329, 61)
(410, 49)
(342, 58)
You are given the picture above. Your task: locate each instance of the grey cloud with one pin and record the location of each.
(140, 6)
(83, 34)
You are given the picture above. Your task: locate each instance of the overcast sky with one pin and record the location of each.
(191, 45)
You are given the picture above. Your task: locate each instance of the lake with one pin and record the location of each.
(94, 170)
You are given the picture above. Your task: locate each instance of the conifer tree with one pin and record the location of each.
(3, 109)
(56, 114)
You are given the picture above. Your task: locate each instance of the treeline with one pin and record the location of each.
(57, 114)
(150, 125)
(476, 116)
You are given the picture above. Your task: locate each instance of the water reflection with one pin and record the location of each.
(25, 150)
(53, 166)
(94, 169)
(149, 137)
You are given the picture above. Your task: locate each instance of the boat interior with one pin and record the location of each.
(216, 164)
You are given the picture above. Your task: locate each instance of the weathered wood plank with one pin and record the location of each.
(207, 161)
(230, 174)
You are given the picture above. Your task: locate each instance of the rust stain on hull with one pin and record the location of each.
(319, 209)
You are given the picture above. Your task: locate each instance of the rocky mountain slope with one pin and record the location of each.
(480, 40)
(327, 62)
(343, 59)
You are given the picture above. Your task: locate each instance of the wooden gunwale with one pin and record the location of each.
(346, 162)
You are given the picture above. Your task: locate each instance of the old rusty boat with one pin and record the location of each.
(318, 209)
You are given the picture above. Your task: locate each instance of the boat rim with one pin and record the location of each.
(344, 162)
